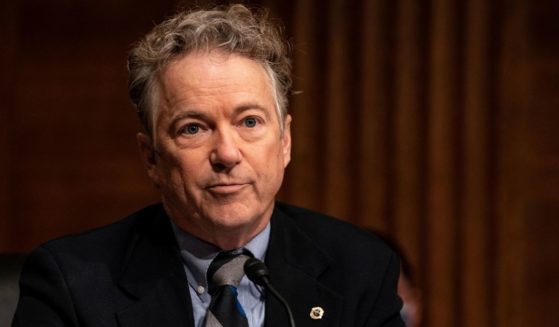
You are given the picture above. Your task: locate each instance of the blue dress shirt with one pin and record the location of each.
(197, 256)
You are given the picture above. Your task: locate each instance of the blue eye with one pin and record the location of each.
(191, 129)
(250, 122)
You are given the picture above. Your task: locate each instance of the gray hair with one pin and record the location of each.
(233, 29)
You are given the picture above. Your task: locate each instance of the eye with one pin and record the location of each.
(250, 122)
(191, 129)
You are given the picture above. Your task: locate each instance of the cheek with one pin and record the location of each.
(180, 167)
(271, 160)
(190, 167)
(180, 181)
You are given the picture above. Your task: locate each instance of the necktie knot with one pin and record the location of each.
(227, 269)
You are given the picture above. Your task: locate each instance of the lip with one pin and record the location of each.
(226, 188)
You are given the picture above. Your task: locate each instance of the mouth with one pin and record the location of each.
(226, 188)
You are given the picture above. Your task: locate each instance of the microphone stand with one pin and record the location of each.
(258, 273)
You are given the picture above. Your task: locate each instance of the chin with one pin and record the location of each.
(230, 214)
(234, 215)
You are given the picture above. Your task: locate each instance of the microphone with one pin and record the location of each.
(258, 273)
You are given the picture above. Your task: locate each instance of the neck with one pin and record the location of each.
(225, 238)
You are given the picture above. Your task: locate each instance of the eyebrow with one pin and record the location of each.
(189, 114)
(204, 116)
(251, 106)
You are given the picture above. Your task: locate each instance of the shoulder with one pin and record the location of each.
(336, 237)
(104, 244)
(349, 261)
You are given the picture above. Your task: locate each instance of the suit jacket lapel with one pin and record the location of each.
(296, 264)
(154, 277)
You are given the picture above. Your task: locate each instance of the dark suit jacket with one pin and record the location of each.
(130, 274)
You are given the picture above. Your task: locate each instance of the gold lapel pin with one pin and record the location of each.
(317, 313)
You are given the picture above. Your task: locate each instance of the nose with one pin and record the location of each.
(225, 153)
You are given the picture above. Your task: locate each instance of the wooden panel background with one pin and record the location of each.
(435, 121)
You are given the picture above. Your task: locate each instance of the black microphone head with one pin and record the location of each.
(257, 271)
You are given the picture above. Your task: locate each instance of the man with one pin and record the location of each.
(211, 90)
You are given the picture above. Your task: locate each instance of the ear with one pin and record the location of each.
(286, 140)
(148, 155)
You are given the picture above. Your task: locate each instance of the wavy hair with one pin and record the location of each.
(233, 29)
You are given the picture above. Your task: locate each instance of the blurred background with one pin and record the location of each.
(434, 122)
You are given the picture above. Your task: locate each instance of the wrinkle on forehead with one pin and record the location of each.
(200, 74)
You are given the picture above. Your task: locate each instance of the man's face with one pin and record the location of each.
(218, 153)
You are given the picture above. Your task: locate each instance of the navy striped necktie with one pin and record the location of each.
(224, 275)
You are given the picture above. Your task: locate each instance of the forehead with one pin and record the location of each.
(215, 75)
